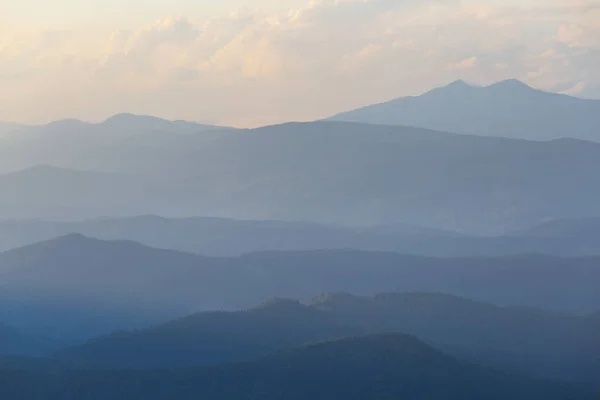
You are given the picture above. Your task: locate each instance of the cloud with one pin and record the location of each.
(256, 66)
(467, 63)
(576, 89)
(570, 34)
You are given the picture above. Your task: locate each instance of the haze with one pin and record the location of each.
(294, 200)
(242, 63)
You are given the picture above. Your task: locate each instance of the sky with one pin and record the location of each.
(251, 63)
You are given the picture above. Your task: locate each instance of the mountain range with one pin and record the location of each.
(375, 367)
(332, 172)
(227, 237)
(328, 172)
(118, 127)
(505, 109)
(76, 144)
(75, 287)
(443, 246)
(219, 236)
(535, 342)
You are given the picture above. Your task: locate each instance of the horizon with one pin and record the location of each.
(247, 64)
(194, 190)
(130, 114)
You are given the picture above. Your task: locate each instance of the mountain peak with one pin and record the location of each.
(456, 86)
(67, 123)
(68, 240)
(509, 108)
(458, 83)
(61, 245)
(133, 118)
(508, 84)
(120, 116)
(66, 244)
(513, 84)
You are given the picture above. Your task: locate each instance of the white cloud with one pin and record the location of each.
(467, 63)
(576, 89)
(255, 67)
(570, 34)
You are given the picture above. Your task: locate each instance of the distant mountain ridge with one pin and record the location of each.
(75, 287)
(328, 172)
(219, 236)
(135, 122)
(506, 109)
(228, 237)
(72, 143)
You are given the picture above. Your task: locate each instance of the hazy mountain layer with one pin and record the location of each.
(507, 109)
(330, 172)
(368, 368)
(226, 237)
(77, 287)
(532, 341)
(102, 146)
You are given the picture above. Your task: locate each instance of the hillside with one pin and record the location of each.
(364, 174)
(532, 341)
(505, 109)
(79, 286)
(219, 236)
(228, 237)
(368, 368)
(212, 338)
(73, 285)
(80, 145)
(329, 172)
(519, 338)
